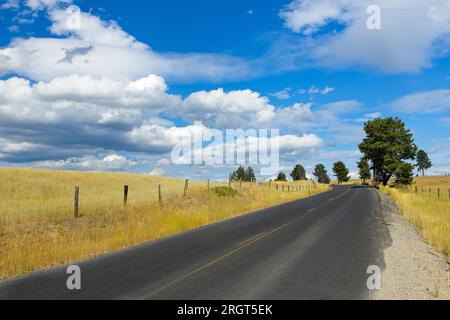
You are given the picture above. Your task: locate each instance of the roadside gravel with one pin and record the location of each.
(414, 270)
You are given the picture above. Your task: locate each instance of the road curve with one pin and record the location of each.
(316, 248)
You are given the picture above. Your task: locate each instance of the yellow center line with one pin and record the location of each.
(240, 247)
(252, 238)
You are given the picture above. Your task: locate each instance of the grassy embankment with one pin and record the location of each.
(37, 228)
(430, 213)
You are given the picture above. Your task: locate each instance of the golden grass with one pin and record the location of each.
(430, 213)
(38, 231)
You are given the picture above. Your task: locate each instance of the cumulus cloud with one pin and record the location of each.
(413, 33)
(91, 29)
(75, 117)
(102, 48)
(78, 113)
(234, 109)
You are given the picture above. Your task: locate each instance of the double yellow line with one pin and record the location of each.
(240, 247)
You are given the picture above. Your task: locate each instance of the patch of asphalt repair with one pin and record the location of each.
(413, 269)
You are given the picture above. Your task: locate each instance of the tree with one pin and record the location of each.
(404, 174)
(423, 162)
(250, 175)
(299, 173)
(321, 174)
(341, 172)
(281, 177)
(244, 175)
(364, 170)
(388, 144)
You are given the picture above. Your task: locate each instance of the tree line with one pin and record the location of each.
(388, 151)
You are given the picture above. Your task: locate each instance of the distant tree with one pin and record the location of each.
(320, 172)
(341, 172)
(423, 162)
(364, 170)
(404, 174)
(281, 177)
(299, 173)
(239, 175)
(388, 144)
(250, 175)
(242, 174)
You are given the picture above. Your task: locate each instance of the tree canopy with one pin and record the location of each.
(320, 172)
(388, 145)
(242, 174)
(364, 170)
(281, 177)
(341, 172)
(299, 173)
(404, 174)
(423, 162)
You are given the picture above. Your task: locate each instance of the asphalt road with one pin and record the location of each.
(316, 248)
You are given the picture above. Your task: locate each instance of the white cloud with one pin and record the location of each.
(369, 116)
(327, 90)
(284, 94)
(10, 4)
(413, 32)
(92, 29)
(157, 171)
(315, 90)
(112, 162)
(234, 109)
(46, 4)
(307, 16)
(424, 102)
(75, 114)
(103, 49)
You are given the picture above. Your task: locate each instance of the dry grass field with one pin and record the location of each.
(428, 211)
(38, 230)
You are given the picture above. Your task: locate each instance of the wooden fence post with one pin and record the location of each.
(448, 194)
(309, 191)
(186, 186)
(160, 195)
(430, 191)
(125, 195)
(439, 193)
(76, 199)
(416, 189)
(208, 186)
(270, 183)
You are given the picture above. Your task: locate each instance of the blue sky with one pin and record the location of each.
(118, 90)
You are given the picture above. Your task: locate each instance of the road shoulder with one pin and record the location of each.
(414, 270)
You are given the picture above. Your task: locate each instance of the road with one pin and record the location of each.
(316, 248)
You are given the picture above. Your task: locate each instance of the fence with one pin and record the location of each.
(437, 192)
(283, 187)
